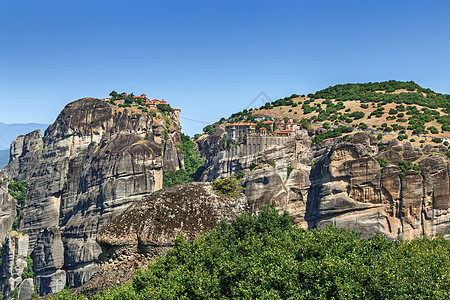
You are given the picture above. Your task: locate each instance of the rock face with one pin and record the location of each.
(14, 261)
(286, 152)
(7, 209)
(148, 227)
(285, 182)
(48, 259)
(350, 189)
(94, 161)
(25, 154)
(346, 185)
(26, 289)
(158, 219)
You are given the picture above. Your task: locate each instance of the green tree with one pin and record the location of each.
(194, 165)
(228, 187)
(264, 256)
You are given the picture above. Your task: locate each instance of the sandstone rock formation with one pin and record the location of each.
(14, 261)
(7, 209)
(26, 289)
(94, 161)
(25, 154)
(351, 190)
(347, 186)
(292, 151)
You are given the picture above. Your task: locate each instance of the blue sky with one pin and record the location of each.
(211, 58)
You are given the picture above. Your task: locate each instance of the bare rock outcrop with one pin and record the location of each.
(26, 289)
(294, 151)
(160, 217)
(288, 192)
(14, 261)
(7, 209)
(93, 162)
(350, 189)
(148, 227)
(25, 154)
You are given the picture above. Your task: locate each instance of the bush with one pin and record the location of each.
(18, 190)
(332, 133)
(28, 271)
(164, 108)
(383, 162)
(357, 115)
(270, 162)
(227, 187)
(433, 130)
(194, 165)
(209, 129)
(264, 257)
(436, 140)
(406, 166)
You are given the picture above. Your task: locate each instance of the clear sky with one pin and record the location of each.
(211, 58)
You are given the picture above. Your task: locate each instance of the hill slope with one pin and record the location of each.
(389, 107)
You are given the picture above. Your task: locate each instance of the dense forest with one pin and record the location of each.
(264, 256)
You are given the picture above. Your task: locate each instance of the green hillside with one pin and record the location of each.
(390, 107)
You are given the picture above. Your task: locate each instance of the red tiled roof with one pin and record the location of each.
(263, 128)
(268, 122)
(176, 109)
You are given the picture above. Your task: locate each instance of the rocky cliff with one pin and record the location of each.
(7, 209)
(14, 261)
(350, 189)
(93, 162)
(356, 182)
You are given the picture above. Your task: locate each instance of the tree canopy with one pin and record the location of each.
(264, 256)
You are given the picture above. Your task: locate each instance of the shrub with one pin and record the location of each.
(164, 108)
(270, 162)
(406, 166)
(383, 162)
(194, 165)
(209, 129)
(264, 257)
(227, 187)
(289, 170)
(28, 271)
(433, 130)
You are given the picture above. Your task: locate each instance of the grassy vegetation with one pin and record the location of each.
(264, 257)
(332, 133)
(370, 93)
(18, 190)
(227, 187)
(193, 165)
